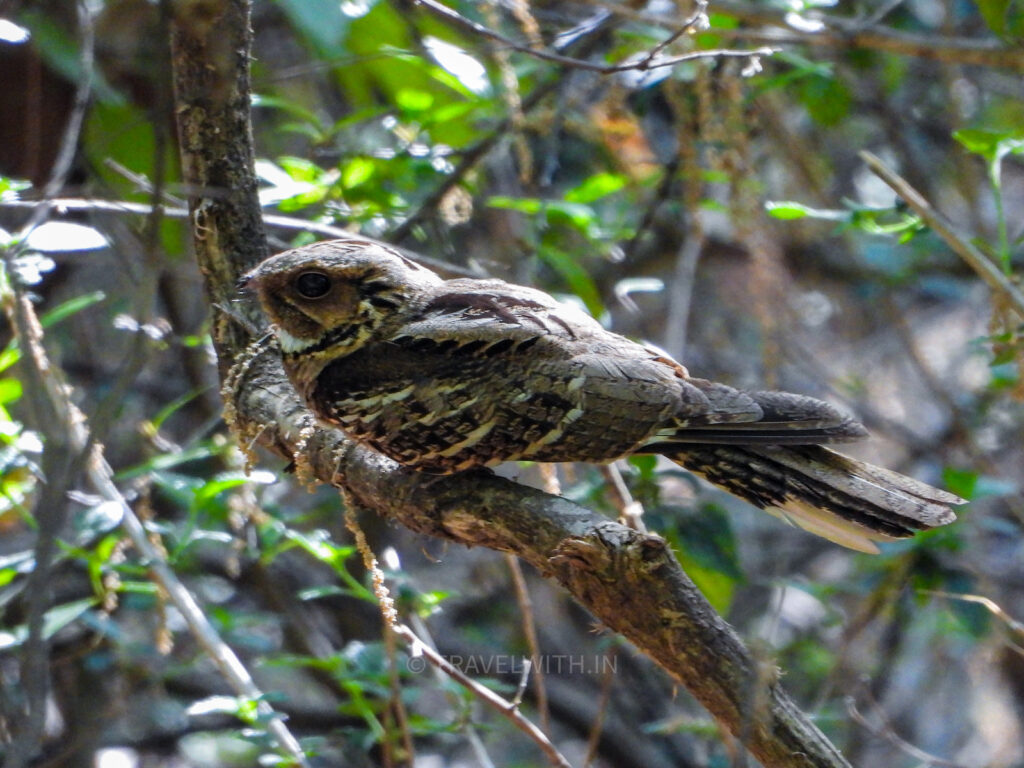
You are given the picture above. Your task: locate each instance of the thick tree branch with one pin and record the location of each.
(628, 579)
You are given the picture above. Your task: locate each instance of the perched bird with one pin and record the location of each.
(447, 375)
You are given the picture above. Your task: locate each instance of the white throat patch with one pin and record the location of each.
(291, 344)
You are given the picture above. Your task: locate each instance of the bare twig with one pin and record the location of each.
(886, 732)
(274, 220)
(990, 605)
(594, 739)
(838, 34)
(648, 62)
(697, 20)
(945, 229)
(631, 511)
(389, 616)
(509, 709)
(486, 695)
(530, 630)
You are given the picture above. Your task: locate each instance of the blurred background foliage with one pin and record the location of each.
(717, 208)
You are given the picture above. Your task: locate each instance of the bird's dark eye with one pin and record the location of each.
(313, 285)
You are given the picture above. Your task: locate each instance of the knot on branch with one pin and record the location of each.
(610, 551)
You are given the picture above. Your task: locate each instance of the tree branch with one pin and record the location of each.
(961, 245)
(652, 60)
(839, 33)
(628, 579)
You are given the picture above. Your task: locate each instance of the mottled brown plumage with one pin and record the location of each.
(448, 375)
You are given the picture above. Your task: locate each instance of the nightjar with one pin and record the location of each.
(447, 375)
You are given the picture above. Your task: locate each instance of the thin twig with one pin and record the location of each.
(839, 34)
(630, 510)
(960, 244)
(886, 732)
(594, 739)
(273, 220)
(643, 64)
(696, 21)
(990, 605)
(530, 630)
(483, 693)
(524, 680)
(419, 648)
(389, 616)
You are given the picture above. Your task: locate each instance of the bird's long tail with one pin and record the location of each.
(842, 499)
(768, 448)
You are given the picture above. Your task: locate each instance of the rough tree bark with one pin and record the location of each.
(629, 580)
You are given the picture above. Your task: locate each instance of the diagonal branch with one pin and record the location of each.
(628, 579)
(961, 244)
(652, 60)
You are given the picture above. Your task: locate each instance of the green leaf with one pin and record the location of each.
(597, 186)
(827, 99)
(529, 205)
(414, 100)
(992, 145)
(228, 480)
(71, 307)
(788, 210)
(357, 171)
(962, 482)
(10, 390)
(1004, 17)
(706, 548)
(576, 277)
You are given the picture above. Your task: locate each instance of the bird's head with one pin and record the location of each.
(329, 297)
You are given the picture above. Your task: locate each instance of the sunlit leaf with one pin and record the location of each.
(357, 171)
(788, 209)
(595, 187)
(413, 100)
(10, 390)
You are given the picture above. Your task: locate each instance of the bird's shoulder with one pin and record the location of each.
(482, 313)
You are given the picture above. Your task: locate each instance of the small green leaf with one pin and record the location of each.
(578, 279)
(10, 390)
(962, 482)
(357, 171)
(413, 100)
(788, 209)
(992, 145)
(71, 307)
(528, 205)
(597, 186)
(827, 99)
(300, 169)
(994, 13)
